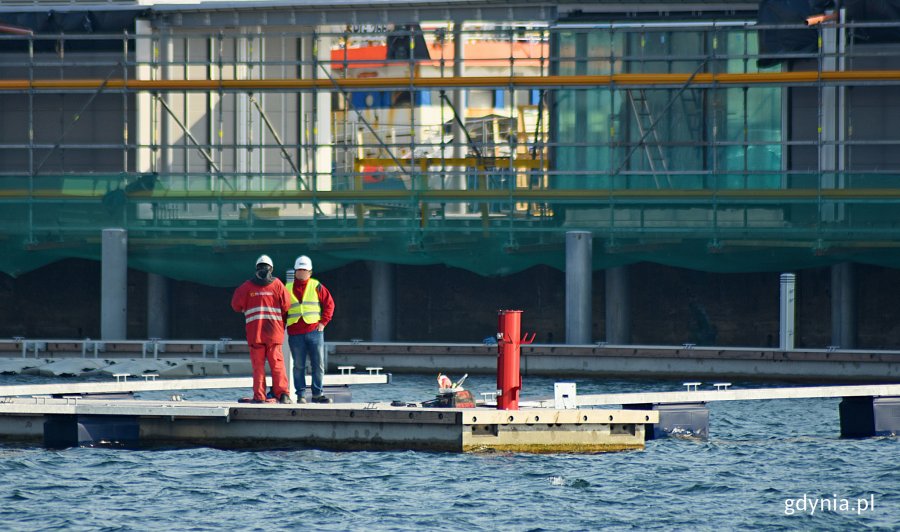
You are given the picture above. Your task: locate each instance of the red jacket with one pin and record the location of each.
(325, 301)
(265, 309)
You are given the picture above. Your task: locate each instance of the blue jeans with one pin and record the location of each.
(312, 345)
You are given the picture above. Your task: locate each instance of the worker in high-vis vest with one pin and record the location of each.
(310, 311)
(265, 303)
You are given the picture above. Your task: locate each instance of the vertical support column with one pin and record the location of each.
(786, 321)
(157, 306)
(317, 112)
(457, 180)
(382, 301)
(579, 289)
(843, 306)
(618, 305)
(146, 120)
(114, 284)
(582, 52)
(165, 137)
(324, 115)
(832, 136)
(307, 148)
(143, 52)
(244, 57)
(149, 137)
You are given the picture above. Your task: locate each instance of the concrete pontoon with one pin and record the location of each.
(354, 426)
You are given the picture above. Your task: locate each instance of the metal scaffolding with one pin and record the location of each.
(644, 134)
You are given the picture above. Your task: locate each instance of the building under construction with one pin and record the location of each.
(605, 159)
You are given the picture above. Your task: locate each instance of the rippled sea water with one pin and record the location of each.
(759, 455)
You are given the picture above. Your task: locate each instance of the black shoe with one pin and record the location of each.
(285, 399)
(321, 399)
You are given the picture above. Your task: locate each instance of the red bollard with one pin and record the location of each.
(509, 378)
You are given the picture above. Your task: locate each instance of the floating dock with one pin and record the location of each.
(355, 426)
(59, 415)
(62, 415)
(865, 410)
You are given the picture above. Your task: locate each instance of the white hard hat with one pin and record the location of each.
(264, 259)
(303, 263)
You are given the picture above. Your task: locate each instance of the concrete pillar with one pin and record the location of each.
(382, 301)
(579, 290)
(843, 306)
(157, 306)
(618, 306)
(114, 284)
(786, 321)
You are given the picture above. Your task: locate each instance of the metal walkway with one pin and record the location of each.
(706, 396)
(171, 385)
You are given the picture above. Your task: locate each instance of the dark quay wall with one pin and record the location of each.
(669, 306)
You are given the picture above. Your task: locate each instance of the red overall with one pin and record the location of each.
(264, 309)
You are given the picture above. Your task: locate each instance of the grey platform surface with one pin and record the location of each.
(198, 383)
(706, 396)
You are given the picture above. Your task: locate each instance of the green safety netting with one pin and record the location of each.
(214, 238)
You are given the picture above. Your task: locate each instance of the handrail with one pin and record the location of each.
(618, 80)
(887, 194)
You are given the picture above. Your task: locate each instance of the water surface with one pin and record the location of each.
(760, 454)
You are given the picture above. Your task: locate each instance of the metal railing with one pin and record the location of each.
(228, 137)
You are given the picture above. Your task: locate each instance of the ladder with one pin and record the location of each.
(649, 136)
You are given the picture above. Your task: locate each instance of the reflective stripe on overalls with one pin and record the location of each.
(262, 313)
(309, 308)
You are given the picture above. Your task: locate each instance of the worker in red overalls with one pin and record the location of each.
(265, 302)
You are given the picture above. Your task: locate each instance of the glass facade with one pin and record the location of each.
(663, 135)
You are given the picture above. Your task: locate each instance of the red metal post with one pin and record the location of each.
(509, 379)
